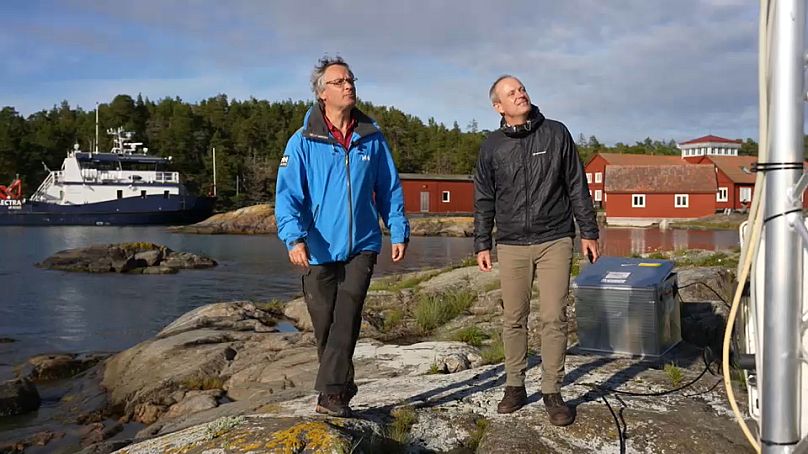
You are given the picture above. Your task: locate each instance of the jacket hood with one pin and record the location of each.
(534, 120)
(314, 126)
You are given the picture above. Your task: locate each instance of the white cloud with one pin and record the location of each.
(621, 70)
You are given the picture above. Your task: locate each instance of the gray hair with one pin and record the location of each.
(317, 82)
(492, 91)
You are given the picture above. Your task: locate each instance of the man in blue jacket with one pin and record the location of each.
(335, 179)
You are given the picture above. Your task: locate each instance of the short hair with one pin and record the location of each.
(317, 82)
(492, 91)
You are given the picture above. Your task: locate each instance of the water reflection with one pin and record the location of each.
(624, 241)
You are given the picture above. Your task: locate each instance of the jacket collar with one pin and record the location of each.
(314, 126)
(534, 120)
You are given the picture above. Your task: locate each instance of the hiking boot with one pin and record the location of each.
(349, 393)
(560, 414)
(333, 405)
(515, 398)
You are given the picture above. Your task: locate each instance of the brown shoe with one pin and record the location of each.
(349, 392)
(515, 398)
(333, 405)
(560, 414)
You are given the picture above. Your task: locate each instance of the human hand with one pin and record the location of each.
(398, 251)
(299, 255)
(484, 261)
(590, 249)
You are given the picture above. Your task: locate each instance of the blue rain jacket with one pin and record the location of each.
(331, 198)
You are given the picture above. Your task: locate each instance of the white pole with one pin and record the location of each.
(96, 127)
(782, 286)
(214, 171)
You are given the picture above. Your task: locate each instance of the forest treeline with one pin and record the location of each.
(249, 137)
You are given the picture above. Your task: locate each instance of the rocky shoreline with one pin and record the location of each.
(223, 378)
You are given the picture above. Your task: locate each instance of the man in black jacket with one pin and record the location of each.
(530, 181)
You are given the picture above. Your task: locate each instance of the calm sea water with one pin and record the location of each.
(50, 311)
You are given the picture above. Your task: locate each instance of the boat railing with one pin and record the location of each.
(167, 177)
(53, 177)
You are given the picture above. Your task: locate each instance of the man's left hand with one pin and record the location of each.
(398, 251)
(590, 249)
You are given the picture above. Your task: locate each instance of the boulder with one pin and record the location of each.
(297, 311)
(43, 368)
(18, 397)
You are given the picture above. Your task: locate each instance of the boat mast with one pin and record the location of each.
(214, 171)
(780, 397)
(96, 127)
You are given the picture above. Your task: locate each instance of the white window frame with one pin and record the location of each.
(722, 195)
(598, 195)
(598, 177)
(637, 200)
(741, 191)
(446, 197)
(589, 177)
(683, 198)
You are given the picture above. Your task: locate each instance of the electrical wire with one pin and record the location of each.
(755, 218)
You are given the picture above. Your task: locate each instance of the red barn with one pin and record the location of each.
(595, 169)
(444, 194)
(736, 181)
(644, 195)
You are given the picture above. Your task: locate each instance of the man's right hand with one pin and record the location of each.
(484, 261)
(299, 255)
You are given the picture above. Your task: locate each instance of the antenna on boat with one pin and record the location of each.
(214, 171)
(96, 127)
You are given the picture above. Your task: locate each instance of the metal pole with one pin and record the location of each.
(96, 127)
(780, 403)
(214, 171)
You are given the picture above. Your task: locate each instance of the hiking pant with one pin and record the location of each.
(518, 265)
(335, 294)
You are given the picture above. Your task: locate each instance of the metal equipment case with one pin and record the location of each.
(628, 305)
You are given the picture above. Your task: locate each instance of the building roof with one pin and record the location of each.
(428, 176)
(681, 178)
(733, 167)
(639, 159)
(711, 139)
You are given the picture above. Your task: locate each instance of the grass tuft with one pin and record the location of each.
(435, 310)
(674, 374)
(495, 352)
(199, 383)
(471, 335)
(403, 420)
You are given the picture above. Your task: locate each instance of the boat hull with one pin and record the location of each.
(151, 210)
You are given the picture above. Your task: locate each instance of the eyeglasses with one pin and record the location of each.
(342, 81)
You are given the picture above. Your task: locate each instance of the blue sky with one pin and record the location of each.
(620, 70)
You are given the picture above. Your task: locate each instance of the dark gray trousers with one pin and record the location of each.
(335, 293)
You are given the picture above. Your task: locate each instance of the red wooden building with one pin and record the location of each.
(647, 194)
(736, 181)
(595, 169)
(444, 194)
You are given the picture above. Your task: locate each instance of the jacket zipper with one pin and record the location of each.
(350, 202)
(527, 191)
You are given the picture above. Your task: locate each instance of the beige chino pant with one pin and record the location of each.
(518, 265)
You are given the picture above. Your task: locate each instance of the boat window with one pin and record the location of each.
(120, 193)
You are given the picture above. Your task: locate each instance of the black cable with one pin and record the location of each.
(655, 394)
(620, 435)
(708, 287)
(706, 390)
(796, 210)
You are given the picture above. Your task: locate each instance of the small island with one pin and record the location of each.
(131, 258)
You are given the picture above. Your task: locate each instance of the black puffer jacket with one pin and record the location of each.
(530, 180)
